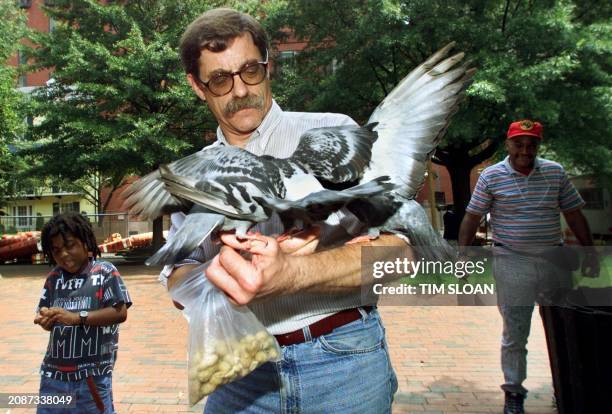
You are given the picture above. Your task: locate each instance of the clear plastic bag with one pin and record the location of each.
(226, 341)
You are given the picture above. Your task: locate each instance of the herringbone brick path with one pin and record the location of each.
(446, 357)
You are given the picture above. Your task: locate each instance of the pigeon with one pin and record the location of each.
(410, 123)
(226, 187)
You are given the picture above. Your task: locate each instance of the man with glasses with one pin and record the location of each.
(334, 355)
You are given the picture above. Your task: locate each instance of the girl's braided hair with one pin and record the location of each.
(65, 224)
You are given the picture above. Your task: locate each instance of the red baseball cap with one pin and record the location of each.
(525, 127)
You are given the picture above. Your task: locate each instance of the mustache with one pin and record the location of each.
(250, 101)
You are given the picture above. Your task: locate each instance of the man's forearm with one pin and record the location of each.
(579, 226)
(336, 270)
(467, 231)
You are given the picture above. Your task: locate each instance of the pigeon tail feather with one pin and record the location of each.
(412, 221)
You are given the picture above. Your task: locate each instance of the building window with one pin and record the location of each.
(285, 59)
(22, 60)
(22, 212)
(51, 24)
(287, 55)
(25, 4)
(73, 206)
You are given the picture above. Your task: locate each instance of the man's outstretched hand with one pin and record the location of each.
(266, 271)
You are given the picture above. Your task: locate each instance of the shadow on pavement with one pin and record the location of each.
(450, 395)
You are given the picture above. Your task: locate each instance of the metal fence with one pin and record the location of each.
(104, 225)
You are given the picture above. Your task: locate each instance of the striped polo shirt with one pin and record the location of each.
(525, 208)
(278, 136)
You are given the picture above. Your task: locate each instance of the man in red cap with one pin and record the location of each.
(524, 195)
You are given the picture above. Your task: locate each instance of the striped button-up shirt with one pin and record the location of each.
(525, 208)
(278, 136)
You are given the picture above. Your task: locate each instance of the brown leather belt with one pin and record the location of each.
(322, 327)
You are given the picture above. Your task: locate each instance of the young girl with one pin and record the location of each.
(82, 304)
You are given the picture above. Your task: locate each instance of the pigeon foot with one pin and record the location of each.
(288, 234)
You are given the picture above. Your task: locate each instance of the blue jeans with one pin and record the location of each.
(345, 371)
(521, 281)
(85, 403)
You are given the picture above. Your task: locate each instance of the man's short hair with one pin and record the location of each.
(213, 31)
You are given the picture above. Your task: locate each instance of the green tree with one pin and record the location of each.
(547, 60)
(117, 103)
(12, 29)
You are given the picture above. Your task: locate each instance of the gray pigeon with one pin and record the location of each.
(410, 122)
(225, 187)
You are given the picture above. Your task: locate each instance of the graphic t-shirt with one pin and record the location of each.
(74, 351)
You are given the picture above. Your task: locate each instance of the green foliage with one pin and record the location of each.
(546, 60)
(12, 28)
(118, 102)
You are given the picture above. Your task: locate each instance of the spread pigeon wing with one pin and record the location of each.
(229, 173)
(149, 198)
(413, 118)
(185, 188)
(336, 154)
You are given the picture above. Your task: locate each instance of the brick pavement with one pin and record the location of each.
(446, 357)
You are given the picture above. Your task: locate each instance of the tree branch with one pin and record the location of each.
(380, 81)
(406, 54)
(485, 154)
(503, 27)
(367, 101)
(518, 3)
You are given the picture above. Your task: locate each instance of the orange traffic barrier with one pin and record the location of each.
(115, 246)
(19, 249)
(115, 243)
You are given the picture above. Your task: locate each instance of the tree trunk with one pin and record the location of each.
(460, 180)
(158, 233)
(459, 164)
(99, 207)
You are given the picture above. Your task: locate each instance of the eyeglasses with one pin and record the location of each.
(251, 74)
